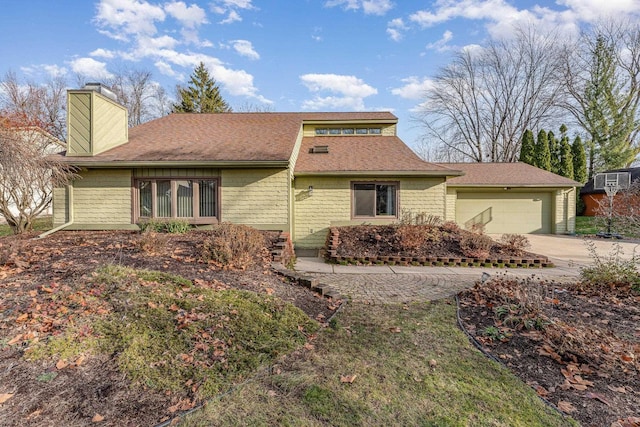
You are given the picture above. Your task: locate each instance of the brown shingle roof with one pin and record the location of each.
(222, 137)
(506, 174)
(363, 154)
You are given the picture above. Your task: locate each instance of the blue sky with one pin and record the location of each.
(293, 55)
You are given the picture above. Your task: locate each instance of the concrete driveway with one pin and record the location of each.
(573, 251)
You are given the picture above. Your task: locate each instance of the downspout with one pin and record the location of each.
(69, 211)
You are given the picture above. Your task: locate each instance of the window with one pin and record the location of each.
(375, 131)
(375, 199)
(192, 199)
(361, 131)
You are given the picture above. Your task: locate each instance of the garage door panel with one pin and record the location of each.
(509, 213)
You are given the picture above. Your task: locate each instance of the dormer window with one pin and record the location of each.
(322, 131)
(375, 131)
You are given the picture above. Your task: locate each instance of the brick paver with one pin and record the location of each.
(396, 288)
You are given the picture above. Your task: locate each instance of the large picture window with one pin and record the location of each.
(372, 199)
(193, 199)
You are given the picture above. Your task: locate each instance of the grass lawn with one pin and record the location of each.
(40, 224)
(587, 225)
(384, 365)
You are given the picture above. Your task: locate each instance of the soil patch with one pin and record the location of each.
(43, 394)
(577, 345)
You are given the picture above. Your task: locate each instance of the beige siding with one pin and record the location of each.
(387, 129)
(60, 201)
(256, 197)
(565, 211)
(176, 173)
(79, 124)
(110, 126)
(95, 123)
(102, 197)
(330, 204)
(450, 208)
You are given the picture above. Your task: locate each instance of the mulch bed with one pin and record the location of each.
(577, 345)
(426, 245)
(30, 268)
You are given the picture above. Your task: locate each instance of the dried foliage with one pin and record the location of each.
(408, 217)
(613, 270)
(412, 237)
(28, 172)
(152, 242)
(515, 242)
(476, 245)
(234, 246)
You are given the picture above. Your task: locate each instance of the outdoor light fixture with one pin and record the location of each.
(311, 190)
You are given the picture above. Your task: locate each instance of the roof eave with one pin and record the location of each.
(512, 185)
(441, 174)
(350, 121)
(184, 163)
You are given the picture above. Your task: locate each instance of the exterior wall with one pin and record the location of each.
(95, 123)
(387, 129)
(176, 172)
(255, 197)
(565, 211)
(60, 203)
(101, 199)
(330, 204)
(450, 208)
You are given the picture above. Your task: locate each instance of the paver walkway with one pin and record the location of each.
(397, 284)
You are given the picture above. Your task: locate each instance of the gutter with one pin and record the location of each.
(170, 163)
(69, 210)
(409, 173)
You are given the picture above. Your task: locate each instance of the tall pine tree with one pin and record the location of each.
(542, 153)
(579, 160)
(527, 148)
(566, 159)
(202, 95)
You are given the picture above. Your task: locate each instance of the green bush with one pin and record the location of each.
(613, 270)
(165, 226)
(234, 246)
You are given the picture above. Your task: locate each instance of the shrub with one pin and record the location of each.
(165, 226)
(516, 243)
(613, 270)
(408, 217)
(412, 237)
(450, 227)
(234, 246)
(152, 242)
(474, 245)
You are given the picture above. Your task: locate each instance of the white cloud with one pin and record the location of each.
(414, 88)
(91, 68)
(230, 8)
(369, 7)
(54, 70)
(103, 53)
(189, 16)
(167, 70)
(592, 10)
(128, 17)
(395, 27)
(245, 48)
(441, 45)
(350, 91)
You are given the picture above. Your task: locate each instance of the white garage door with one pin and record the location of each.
(506, 212)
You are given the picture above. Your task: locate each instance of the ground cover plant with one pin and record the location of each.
(431, 239)
(382, 365)
(98, 327)
(577, 343)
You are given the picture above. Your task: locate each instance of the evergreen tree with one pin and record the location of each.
(542, 154)
(579, 160)
(566, 159)
(202, 95)
(554, 152)
(527, 148)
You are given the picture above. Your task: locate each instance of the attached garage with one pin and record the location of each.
(511, 198)
(506, 212)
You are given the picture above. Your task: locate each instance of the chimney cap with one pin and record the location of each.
(101, 89)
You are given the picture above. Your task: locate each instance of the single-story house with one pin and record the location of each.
(295, 172)
(594, 196)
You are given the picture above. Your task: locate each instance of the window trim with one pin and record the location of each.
(196, 219)
(353, 200)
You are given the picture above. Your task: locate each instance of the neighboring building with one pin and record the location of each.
(593, 197)
(296, 172)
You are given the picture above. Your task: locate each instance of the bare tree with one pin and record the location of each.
(482, 102)
(28, 173)
(602, 81)
(45, 103)
(134, 90)
(621, 212)
(248, 107)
